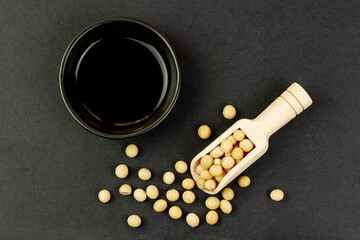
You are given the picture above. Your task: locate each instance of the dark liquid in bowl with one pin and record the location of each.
(121, 81)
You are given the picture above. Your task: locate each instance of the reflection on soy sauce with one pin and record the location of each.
(121, 81)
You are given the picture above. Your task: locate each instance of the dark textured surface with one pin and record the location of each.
(243, 53)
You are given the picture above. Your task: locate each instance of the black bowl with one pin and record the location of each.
(131, 28)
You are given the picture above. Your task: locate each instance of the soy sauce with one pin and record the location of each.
(120, 81)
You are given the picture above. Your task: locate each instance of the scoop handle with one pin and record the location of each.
(290, 104)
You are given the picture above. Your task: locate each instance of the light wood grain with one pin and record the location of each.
(291, 103)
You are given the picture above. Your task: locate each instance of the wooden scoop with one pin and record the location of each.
(291, 103)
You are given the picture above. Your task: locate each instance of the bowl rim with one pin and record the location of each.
(64, 61)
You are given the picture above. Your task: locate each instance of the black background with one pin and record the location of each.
(243, 53)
